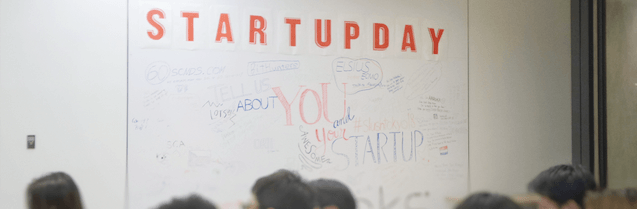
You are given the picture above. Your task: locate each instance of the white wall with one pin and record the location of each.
(519, 91)
(63, 78)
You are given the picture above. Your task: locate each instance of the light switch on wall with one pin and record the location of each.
(30, 141)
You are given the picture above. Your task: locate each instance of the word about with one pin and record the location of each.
(251, 104)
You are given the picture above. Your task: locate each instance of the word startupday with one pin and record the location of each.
(157, 23)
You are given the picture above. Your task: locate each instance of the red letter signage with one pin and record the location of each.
(408, 39)
(224, 21)
(377, 45)
(190, 16)
(154, 23)
(257, 30)
(435, 39)
(319, 33)
(349, 35)
(293, 23)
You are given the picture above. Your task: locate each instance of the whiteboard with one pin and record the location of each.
(221, 93)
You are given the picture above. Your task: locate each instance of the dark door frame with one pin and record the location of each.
(582, 85)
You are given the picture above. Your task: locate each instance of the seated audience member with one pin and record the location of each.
(333, 193)
(563, 187)
(55, 190)
(283, 190)
(190, 202)
(486, 200)
(612, 199)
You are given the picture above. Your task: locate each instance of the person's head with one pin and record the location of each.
(55, 190)
(563, 186)
(331, 192)
(190, 202)
(283, 190)
(486, 200)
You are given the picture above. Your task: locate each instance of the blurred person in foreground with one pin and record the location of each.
(54, 191)
(333, 193)
(282, 189)
(563, 187)
(486, 200)
(190, 202)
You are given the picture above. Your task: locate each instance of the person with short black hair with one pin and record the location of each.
(191, 202)
(333, 193)
(55, 190)
(283, 189)
(563, 186)
(486, 200)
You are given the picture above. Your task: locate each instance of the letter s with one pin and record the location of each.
(154, 23)
(366, 66)
(341, 154)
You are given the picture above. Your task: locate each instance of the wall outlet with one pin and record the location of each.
(30, 141)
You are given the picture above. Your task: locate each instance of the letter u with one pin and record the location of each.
(411, 147)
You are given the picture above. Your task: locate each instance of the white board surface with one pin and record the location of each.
(210, 117)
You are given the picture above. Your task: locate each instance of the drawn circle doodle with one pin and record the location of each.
(157, 72)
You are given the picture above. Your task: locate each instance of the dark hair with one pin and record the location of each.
(54, 190)
(331, 192)
(283, 190)
(561, 183)
(191, 202)
(486, 200)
